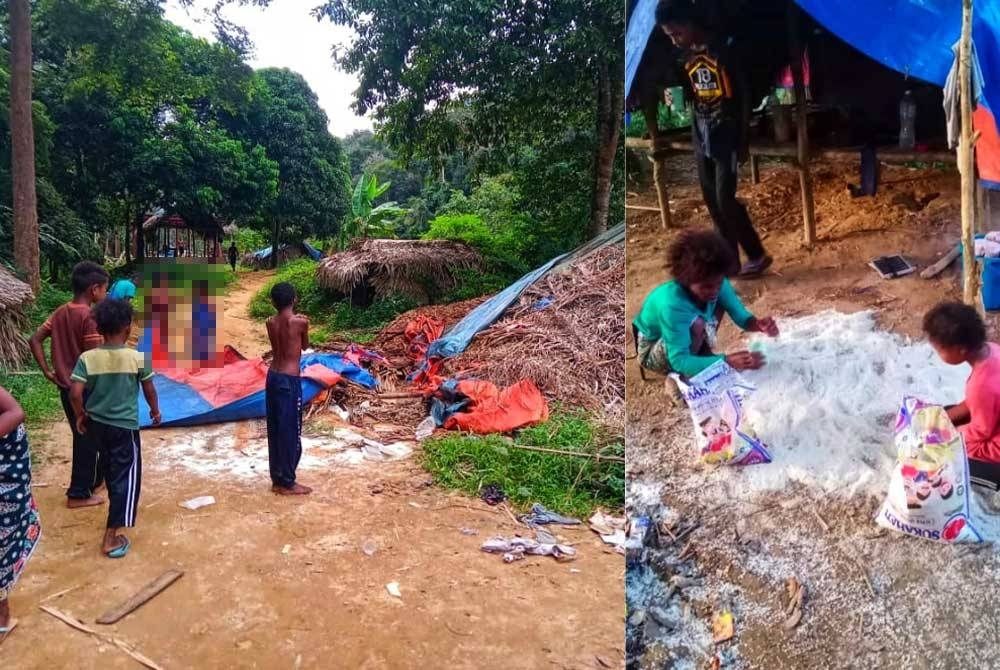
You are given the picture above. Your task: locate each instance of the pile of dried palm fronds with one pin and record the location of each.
(414, 268)
(572, 348)
(14, 298)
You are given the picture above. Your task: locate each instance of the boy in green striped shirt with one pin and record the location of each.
(112, 374)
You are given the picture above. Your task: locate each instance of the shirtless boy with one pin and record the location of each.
(289, 335)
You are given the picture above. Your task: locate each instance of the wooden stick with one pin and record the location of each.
(805, 179)
(60, 593)
(643, 208)
(80, 626)
(660, 181)
(966, 160)
(145, 594)
(941, 265)
(562, 452)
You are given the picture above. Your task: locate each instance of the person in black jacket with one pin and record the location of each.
(720, 124)
(233, 255)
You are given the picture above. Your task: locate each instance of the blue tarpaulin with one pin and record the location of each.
(915, 36)
(640, 26)
(454, 342)
(183, 405)
(311, 251)
(457, 338)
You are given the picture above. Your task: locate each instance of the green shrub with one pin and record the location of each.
(567, 484)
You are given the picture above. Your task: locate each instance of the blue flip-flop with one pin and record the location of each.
(119, 552)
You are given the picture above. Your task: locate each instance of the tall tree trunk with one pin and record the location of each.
(23, 144)
(610, 106)
(275, 237)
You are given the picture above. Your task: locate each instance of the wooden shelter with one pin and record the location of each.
(170, 235)
(420, 269)
(15, 295)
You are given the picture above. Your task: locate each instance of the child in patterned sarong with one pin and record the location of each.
(19, 527)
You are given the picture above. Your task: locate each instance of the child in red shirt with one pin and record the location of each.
(958, 334)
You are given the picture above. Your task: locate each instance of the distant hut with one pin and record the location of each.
(420, 269)
(15, 296)
(170, 235)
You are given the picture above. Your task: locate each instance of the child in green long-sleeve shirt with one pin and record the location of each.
(676, 327)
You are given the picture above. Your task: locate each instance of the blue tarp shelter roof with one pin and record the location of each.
(311, 251)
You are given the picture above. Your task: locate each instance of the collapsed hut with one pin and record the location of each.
(15, 296)
(419, 269)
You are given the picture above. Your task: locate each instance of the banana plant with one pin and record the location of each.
(368, 220)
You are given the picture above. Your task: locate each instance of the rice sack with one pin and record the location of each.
(929, 488)
(715, 401)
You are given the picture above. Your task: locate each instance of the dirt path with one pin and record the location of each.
(875, 599)
(238, 330)
(273, 582)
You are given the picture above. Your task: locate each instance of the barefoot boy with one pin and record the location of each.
(73, 331)
(112, 374)
(958, 334)
(289, 335)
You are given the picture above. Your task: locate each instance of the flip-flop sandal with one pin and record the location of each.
(121, 550)
(6, 630)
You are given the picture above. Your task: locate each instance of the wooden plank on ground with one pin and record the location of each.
(941, 265)
(145, 594)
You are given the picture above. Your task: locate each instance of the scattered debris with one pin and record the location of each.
(468, 531)
(393, 589)
(610, 528)
(145, 594)
(426, 428)
(793, 610)
(517, 547)
(197, 503)
(287, 548)
(722, 626)
(492, 494)
(369, 548)
(540, 515)
(80, 626)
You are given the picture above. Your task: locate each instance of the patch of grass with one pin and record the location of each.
(566, 484)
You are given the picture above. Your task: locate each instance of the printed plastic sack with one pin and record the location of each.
(715, 400)
(929, 489)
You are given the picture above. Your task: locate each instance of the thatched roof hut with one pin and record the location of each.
(415, 268)
(14, 298)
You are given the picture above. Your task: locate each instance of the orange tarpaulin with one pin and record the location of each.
(222, 385)
(419, 334)
(987, 147)
(494, 411)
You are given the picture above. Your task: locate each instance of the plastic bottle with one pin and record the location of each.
(907, 121)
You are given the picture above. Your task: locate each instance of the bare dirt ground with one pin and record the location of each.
(874, 599)
(274, 582)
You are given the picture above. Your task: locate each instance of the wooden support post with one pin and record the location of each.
(981, 195)
(754, 169)
(660, 180)
(805, 179)
(966, 159)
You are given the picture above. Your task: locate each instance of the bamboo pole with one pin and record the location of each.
(805, 179)
(966, 158)
(659, 160)
(754, 169)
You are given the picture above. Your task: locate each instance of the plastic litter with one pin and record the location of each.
(540, 515)
(492, 494)
(196, 503)
(715, 400)
(369, 548)
(929, 488)
(426, 428)
(393, 589)
(517, 547)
